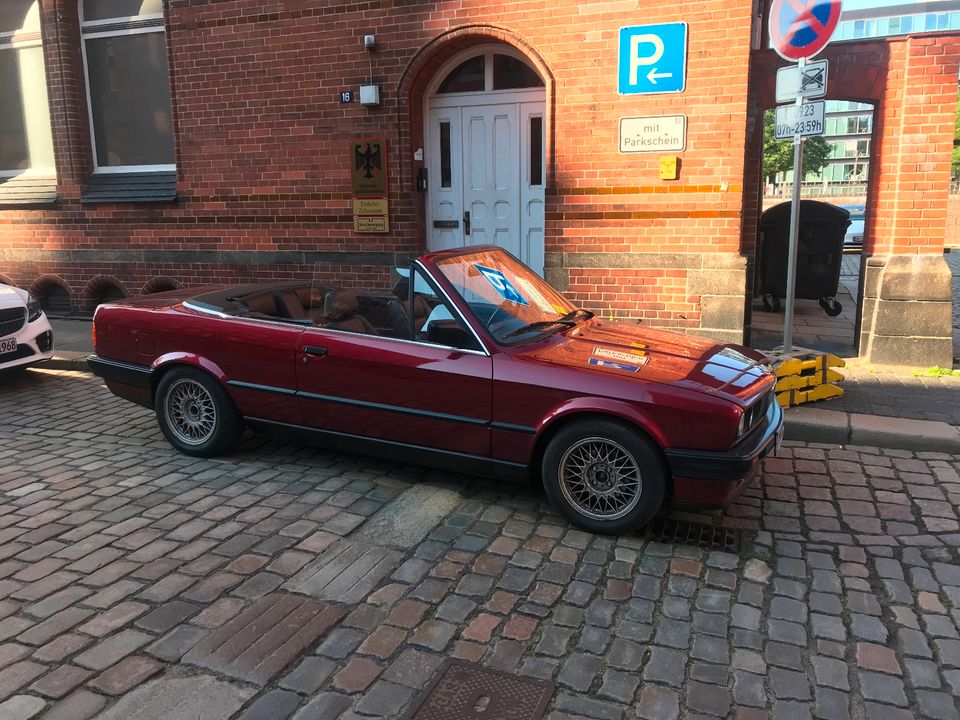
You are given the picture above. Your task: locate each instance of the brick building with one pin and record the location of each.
(206, 140)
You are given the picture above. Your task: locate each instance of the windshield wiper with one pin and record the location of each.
(568, 320)
(540, 325)
(578, 314)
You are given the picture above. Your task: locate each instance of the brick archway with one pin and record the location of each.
(904, 308)
(422, 68)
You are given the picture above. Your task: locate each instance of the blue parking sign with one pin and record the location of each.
(652, 59)
(504, 287)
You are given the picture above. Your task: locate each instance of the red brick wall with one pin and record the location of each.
(262, 138)
(913, 83)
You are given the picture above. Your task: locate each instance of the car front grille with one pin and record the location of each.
(756, 412)
(11, 320)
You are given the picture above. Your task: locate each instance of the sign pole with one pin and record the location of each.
(794, 231)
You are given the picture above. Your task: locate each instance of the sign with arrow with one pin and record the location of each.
(652, 59)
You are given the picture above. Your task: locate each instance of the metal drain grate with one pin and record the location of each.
(692, 533)
(466, 691)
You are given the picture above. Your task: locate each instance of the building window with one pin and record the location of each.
(128, 86)
(490, 72)
(26, 143)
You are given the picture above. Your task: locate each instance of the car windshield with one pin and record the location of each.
(508, 298)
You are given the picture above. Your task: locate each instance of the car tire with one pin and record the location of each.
(195, 413)
(586, 462)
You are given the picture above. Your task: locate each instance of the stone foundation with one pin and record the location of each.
(907, 311)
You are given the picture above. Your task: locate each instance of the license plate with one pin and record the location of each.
(8, 346)
(779, 441)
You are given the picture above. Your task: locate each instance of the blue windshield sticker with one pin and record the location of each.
(503, 286)
(599, 362)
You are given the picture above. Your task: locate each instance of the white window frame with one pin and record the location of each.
(21, 40)
(89, 31)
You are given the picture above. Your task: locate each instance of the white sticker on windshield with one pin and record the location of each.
(501, 285)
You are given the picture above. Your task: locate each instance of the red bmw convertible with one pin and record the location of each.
(472, 363)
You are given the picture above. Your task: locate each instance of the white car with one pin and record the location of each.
(25, 333)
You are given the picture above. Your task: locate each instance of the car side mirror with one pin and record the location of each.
(452, 334)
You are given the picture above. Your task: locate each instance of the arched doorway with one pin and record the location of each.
(485, 140)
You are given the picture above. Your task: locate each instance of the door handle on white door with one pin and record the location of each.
(466, 222)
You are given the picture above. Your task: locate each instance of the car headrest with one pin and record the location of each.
(311, 297)
(340, 304)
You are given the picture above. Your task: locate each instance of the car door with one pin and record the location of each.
(406, 391)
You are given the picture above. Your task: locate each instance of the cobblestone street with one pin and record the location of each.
(287, 581)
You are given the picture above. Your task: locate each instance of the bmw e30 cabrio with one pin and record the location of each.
(472, 363)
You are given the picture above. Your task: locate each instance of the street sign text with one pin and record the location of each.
(803, 120)
(663, 133)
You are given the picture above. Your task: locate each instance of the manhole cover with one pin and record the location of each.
(465, 691)
(691, 533)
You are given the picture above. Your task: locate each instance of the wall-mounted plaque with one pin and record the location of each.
(368, 164)
(371, 224)
(370, 206)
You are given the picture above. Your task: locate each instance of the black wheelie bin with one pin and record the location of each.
(819, 250)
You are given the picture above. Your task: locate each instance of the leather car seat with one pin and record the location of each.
(262, 304)
(421, 310)
(342, 312)
(311, 300)
(289, 306)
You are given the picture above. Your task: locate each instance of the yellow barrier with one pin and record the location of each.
(805, 376)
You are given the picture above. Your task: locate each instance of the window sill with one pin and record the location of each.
(158, 187)
(28, 191)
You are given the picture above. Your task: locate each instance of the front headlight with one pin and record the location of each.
(742, 426)
(34, 311)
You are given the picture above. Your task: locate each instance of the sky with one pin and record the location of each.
(861, 4)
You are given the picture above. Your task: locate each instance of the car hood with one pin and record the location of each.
(12, 297)
(644, 354)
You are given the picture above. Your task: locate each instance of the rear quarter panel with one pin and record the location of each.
(250, 351)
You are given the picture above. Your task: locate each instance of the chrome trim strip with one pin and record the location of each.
(394, 409)
(513, 428)
(462, 419)
(262, 388)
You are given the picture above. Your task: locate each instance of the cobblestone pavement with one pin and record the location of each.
(285, 581)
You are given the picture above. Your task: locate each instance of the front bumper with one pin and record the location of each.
(715, 479)
(34, 344)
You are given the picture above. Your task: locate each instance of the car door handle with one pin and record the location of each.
(315, 350)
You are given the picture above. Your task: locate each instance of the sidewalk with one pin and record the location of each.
(885, 407)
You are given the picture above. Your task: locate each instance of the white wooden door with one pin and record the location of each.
(445, 180)
(485, 170)
(491, 176)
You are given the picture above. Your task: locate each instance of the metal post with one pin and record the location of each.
(794, 232)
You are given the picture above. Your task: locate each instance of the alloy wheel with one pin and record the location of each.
(600, 478)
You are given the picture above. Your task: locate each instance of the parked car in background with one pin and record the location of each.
(471, 363)
(853, 240)
(25, 333)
